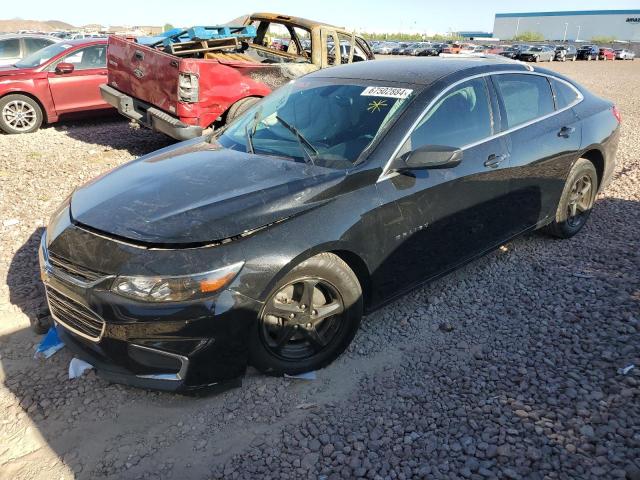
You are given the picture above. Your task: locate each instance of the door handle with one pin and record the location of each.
(494, 160)
(566, 132)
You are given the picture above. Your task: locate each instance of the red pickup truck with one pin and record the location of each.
(182, 93)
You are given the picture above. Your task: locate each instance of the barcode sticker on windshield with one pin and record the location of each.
(389, 92)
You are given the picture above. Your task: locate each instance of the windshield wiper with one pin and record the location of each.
(250, 131)
(304, 143)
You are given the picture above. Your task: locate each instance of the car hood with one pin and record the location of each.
(198, 193)
(11, 71)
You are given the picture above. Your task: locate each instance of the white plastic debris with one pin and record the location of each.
(303, 376)
(627, 369)
(49, 345)
(77, 367)
(10, 222)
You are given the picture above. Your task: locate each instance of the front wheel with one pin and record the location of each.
(309, 318)
(576, 201)
(19, 114)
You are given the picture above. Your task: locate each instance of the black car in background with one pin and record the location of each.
(514, 51)
(432, 50)
(266, 242)
(566, 52)
(588, 52)
(399, 50)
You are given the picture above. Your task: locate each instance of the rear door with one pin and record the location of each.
(79, 90)
(448, 215)
(144, 73)
(543, 138)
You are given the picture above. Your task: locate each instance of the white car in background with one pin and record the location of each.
(16, 46)
(624, 54)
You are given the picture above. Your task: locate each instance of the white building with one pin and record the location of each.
(575, 26)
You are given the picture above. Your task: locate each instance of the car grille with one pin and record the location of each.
(75, 316)
(73, 270)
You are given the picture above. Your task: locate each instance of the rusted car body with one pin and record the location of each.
(181, 95)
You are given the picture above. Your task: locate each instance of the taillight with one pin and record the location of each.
(616, 113)
(188, 87)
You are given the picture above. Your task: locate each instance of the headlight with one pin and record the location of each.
(178, 288)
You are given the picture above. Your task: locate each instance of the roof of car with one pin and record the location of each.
(85, 41)
(419, 71)
(28, 35)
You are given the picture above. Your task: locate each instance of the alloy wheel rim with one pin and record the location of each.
(19, 115)
(579, 201)
(301, 319)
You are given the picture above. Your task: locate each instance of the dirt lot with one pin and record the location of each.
(507, 368)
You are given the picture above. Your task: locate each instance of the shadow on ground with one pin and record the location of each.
(96, 429)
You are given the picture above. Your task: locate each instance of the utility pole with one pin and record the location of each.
(578, 36)
(517, 27)
(566, 25)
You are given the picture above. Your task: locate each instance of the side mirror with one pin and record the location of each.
(428, 156)
(63, 68)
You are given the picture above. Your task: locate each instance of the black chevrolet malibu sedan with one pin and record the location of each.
(265, 243)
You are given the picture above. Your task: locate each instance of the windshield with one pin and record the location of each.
(318, 121)
(535, 49)
(43, 55)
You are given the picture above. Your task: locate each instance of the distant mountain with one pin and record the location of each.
(18, 24)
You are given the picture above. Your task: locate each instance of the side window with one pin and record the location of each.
(35, 44)
(461, 117)
(10, 48)
(88, 58)
(565, 95)
(525, 97)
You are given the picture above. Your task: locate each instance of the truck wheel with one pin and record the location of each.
(19, 114)
(240, 106)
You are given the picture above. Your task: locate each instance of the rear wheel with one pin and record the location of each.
(576, 201)
(19, 114)
(309, 319)
(239, 107)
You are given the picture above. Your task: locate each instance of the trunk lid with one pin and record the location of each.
(143, 73)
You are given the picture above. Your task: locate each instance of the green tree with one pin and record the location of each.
(603, 39)
(167, 27)
(529, 37)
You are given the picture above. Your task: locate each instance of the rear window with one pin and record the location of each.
(565, 95)
(525, 97)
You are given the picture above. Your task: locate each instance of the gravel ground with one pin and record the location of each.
(508, 368)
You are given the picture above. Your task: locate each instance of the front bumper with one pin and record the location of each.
(149, 116)
(175, 347)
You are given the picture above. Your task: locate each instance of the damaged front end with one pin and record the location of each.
(174, 343)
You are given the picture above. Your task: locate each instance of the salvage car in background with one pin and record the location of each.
(184, 92)
(14, 47)
(566, 52)
(624, 54)
(265, 242)
(59, 80)
(540, 53)
(588, 52)
(606, 54)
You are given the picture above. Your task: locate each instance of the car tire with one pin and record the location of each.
(13, 105)
(239, 107)
(573, 59)
(336, 282)
(565, 225)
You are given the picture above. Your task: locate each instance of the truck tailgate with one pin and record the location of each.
(143, 73)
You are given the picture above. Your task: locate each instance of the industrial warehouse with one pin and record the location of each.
(576, 26)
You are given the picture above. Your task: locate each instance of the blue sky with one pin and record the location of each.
(369, 15)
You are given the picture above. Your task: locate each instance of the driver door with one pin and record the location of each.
(447, 216)
(79, 90)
